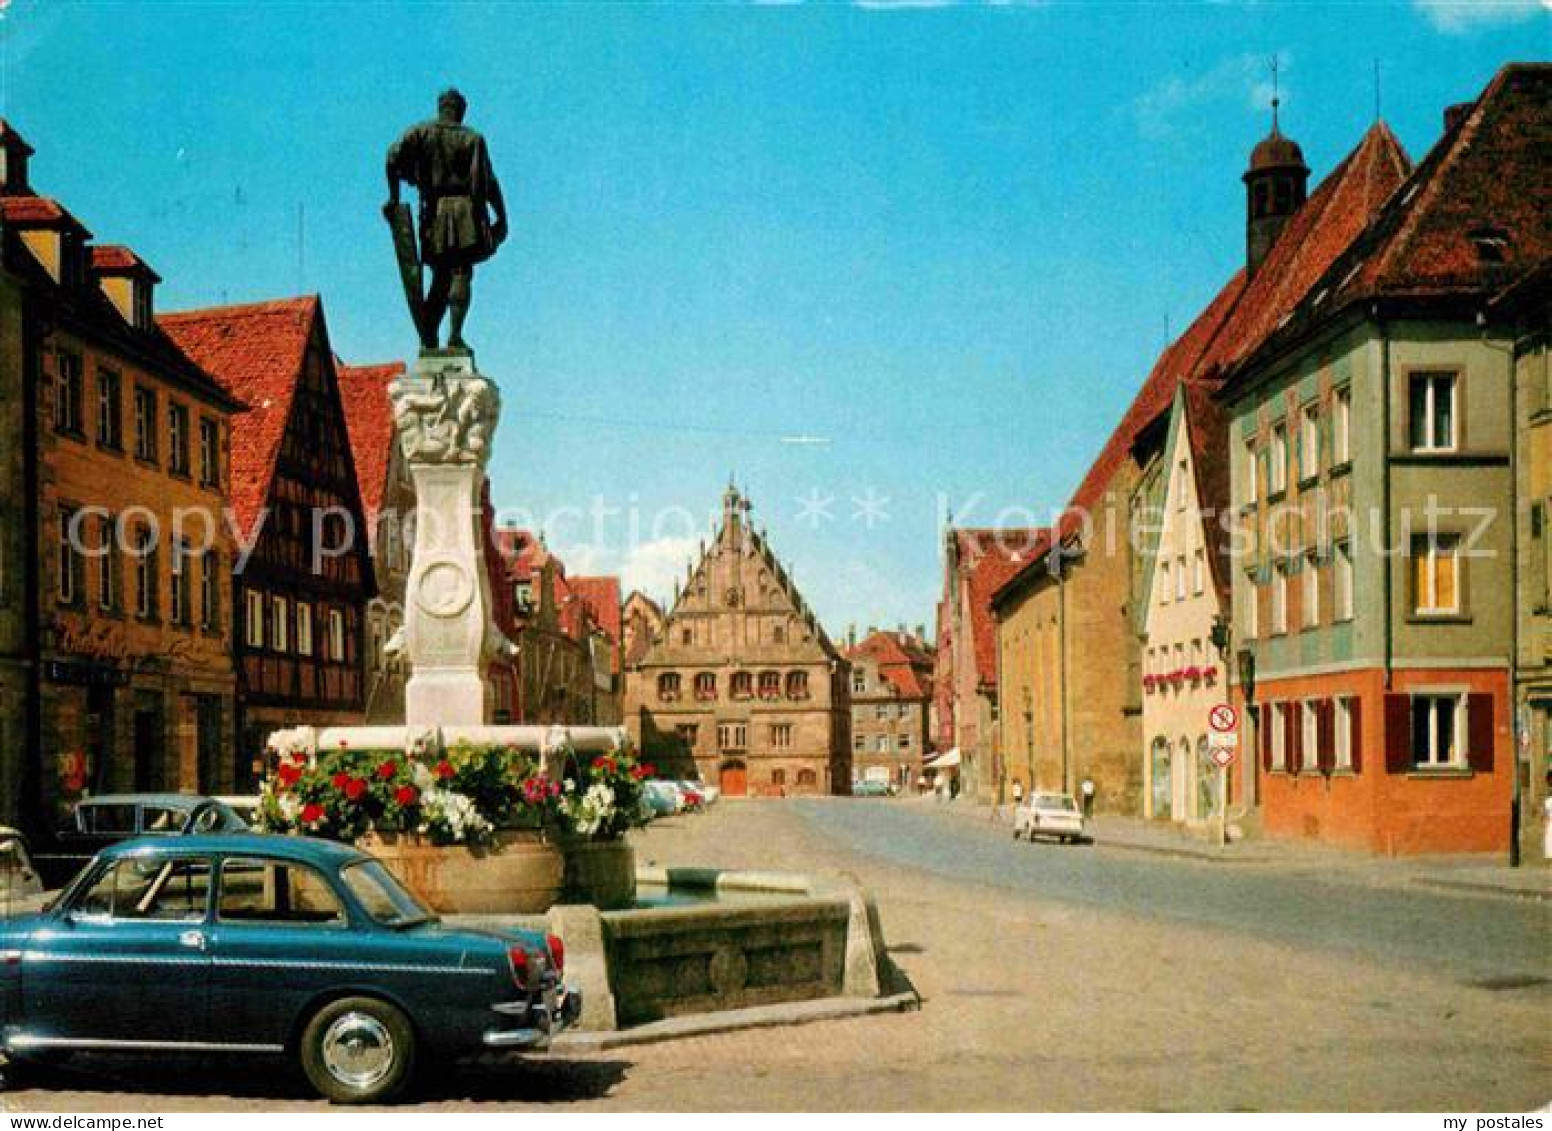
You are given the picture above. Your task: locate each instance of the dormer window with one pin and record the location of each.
(1492, 244)
(142, 305)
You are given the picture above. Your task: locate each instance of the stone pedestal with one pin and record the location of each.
(445, 415)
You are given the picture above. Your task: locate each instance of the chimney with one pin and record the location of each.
(1456, 114)
(14, 152)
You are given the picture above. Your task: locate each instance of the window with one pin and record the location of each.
(107, 564)
(905, 742)
(687, 636)
(779, 777)
(706, 686)
(178, 586)
(689, 734)
(859, 682)
(70, 561)
(142, 304)
(1309, 611)
(668, 686)
(209, 590)
(1435, 574)
(797, 685)
(1341, 427)
(110, 410)
(741, 685)
(67, 395)
(1180, 578)
(1436, 723)
(383, 897)
(304, 629)
(1277, 463)
(145, 574)
(859, 743)
(145, 424)
(1309, 738)
(1252, 473)
(150, 888)
(1252, 606)
(253, 619)
(881, 744)
(1342, 582)
(770, 685)
(1280, 599)
(1181, 486)
(1199, 572)
(779, 634)
(336, 636)
(1309, 442)
(1279, 736)
(732, 736)
(264, 891)
(1343, 759)
(209, 452)
(781, 735)
(1432, 412)
(177, 438)
(279, 623)
(1168, 588)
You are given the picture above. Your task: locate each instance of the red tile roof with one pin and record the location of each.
(988, 559)
(601, 595)
(255, 352)
(906, 665)
(38, 211)
(115, 259)
(369, 421)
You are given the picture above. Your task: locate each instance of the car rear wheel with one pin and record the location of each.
(358, 1050)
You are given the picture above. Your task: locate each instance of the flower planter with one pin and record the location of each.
(523, 872)
(599, 872)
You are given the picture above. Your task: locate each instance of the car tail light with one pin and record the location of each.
(518, 957)
(557, 953)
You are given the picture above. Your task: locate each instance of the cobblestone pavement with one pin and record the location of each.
(1169, 991)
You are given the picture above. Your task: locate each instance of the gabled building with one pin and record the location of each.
(115, 594)
(641, 623)
(388, 503)
(744, 689)
(1373, 432)
(976, 563)
(303, 576)
(891, 706)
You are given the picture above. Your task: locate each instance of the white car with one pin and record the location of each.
(21, 889)
(1049, 814)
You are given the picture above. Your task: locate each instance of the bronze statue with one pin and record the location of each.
(463, 218)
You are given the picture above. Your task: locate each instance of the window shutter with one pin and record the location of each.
(1398, 734)
(1355, 716)
(1266, 719)
(1325, 736)
(1293, 740)
(1480, 733)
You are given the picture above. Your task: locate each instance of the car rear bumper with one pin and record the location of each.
(531, 1024)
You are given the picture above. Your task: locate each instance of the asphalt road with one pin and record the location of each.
(1465, 937)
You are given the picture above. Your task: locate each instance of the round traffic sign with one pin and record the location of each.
(1222, 756)
(1223, 718)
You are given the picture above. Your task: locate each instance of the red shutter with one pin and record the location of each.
(1398, 734)
(1355, 743)
(1480, 733)
(1265, 720)
(1325, 736)
(1293, 736)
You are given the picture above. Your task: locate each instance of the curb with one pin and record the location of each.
(734, 1020)
(1494, 891)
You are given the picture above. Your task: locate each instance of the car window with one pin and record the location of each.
(153, 888)
(272, 891)
(383, 897)
(212, 818)
(13, 858)
(1056, 801)
(107, 818)
(161, 819)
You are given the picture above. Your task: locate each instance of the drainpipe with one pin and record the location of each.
(1061, 667)
(1385, 442)
(1515, 798)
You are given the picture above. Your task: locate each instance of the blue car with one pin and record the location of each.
(241, 943)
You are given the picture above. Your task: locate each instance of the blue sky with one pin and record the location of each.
(947, 240)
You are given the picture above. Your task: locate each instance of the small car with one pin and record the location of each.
(251, 944)
(870, 787)
(662, 798)
(1049, 814)
(21, 888)
(97, 822)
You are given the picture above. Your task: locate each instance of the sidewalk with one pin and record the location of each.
(1473, 874)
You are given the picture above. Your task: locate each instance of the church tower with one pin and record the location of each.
(1275, 188)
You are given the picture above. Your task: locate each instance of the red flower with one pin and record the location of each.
(288, 774)
(387, 769)
(311, 812)
(354, 788)
(444, 770)
(341, 780)
(648, 770)
(406, 795)
(638, 772)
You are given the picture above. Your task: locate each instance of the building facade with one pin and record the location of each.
(891, 707)
(121, 453)
(303, 575)
(1376, 594)
(744, 690)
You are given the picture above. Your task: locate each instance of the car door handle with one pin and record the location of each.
(192, 939)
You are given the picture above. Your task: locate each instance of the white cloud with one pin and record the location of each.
(1245, 79)
(653, 567)
(1458, 17)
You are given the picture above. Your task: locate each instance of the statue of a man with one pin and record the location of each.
(463, 218)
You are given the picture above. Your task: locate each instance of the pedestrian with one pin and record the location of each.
(953, 788)
(940, 788)
(996, 814)
(1087, 789)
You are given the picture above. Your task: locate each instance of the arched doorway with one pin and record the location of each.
(1162, 791)
(733, 779)
(1181, 777)
(1206, 781)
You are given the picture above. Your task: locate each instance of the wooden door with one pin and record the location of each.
(734, 780)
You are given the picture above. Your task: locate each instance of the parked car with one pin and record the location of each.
(662, 798)
(870, 788)
(691, 797)
(242, 943)
(21, 887)
(1049, 814)
(97, 822)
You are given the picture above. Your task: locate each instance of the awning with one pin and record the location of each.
(943, 761)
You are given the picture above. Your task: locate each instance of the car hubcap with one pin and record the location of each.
(358, 1050)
